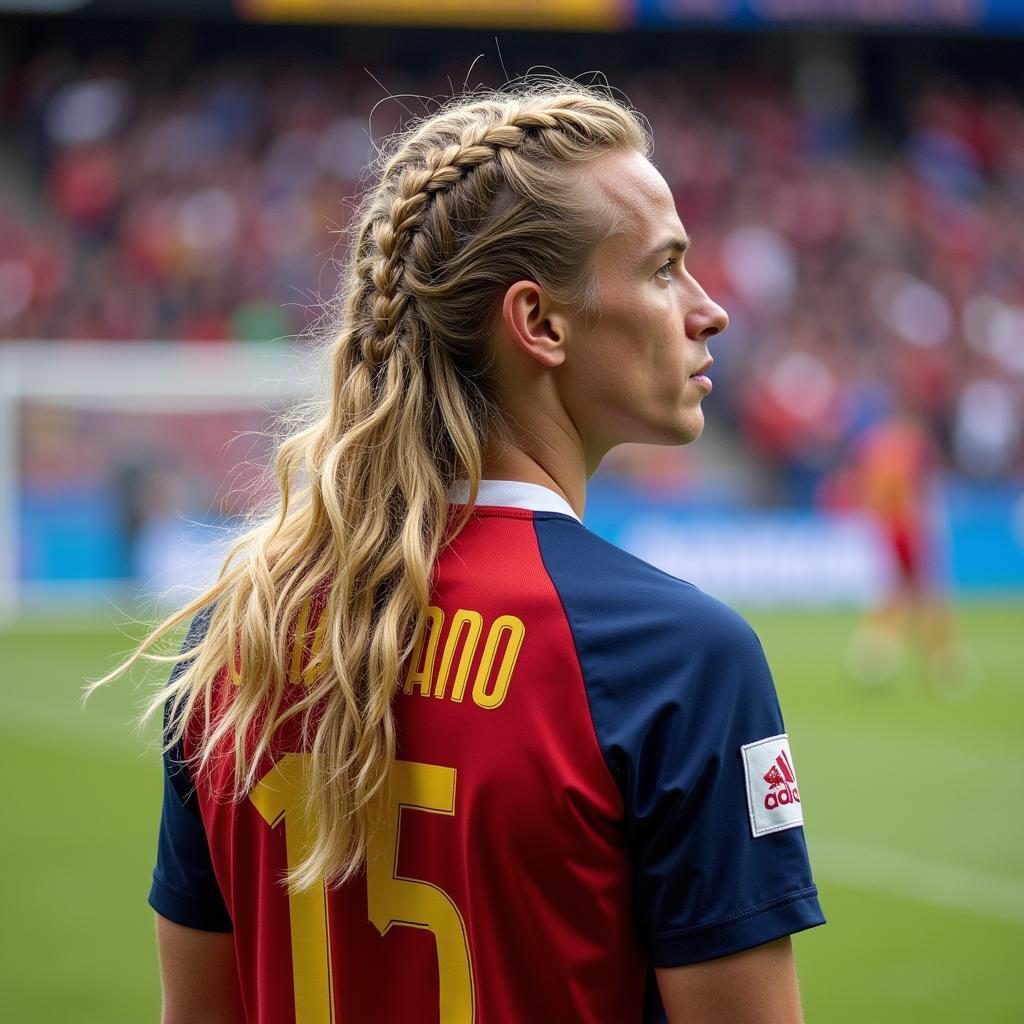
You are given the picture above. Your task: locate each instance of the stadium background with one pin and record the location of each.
(174, 183)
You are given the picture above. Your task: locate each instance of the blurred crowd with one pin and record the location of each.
(865, 274)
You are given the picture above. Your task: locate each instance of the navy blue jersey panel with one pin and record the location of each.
(677, 684)
(184, 887)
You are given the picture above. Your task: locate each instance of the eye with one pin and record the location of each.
(665, 270)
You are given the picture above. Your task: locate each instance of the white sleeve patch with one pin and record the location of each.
(772, 794)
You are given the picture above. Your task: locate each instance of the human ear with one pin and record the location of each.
(535, 326)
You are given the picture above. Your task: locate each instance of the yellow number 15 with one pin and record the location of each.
(392, 899)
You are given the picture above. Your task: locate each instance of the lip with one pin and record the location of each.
(700, 377)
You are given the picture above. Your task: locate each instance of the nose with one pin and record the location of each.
(706, 319)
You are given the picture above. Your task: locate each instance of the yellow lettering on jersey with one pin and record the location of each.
(421, 667)
(394, 899)
(280, 798)
(391, 899)
(495, 697)
(474, 622)
(490, 688)
(315, 668)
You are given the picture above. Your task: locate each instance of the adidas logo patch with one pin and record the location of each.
(773, 798)
(781, 782)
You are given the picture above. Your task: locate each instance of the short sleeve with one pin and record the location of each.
(712, 802)
(686, 716)
(185, 888)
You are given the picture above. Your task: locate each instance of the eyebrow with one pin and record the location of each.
(679, 245)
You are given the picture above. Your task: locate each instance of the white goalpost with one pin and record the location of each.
(141, 378)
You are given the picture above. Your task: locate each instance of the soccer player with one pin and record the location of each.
(436, 752)
(893, 478)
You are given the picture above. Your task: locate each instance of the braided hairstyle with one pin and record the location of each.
(484, 193)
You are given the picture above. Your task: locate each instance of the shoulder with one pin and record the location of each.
(629, 608)
(175, 758)
(198, 627)
(665, 666)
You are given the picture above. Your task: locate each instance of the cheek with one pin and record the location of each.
(605, 378)
(655, 332)
(662, 351)
(599, 380)
(631, 361)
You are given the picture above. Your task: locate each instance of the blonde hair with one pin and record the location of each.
(470, 200)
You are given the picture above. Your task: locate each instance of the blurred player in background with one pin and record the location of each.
(509, 772)
(893, 477)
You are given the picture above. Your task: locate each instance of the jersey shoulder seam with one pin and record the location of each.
(602, 756)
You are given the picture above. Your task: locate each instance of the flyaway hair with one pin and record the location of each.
(488, 191)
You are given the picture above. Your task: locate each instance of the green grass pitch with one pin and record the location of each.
(914, 810)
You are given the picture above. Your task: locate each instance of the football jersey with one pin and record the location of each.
(592, 780)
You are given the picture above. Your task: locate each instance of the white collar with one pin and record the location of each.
(514, 494)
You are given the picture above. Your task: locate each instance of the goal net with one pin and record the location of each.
(124, 466)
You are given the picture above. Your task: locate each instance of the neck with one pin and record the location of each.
(541, 465)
